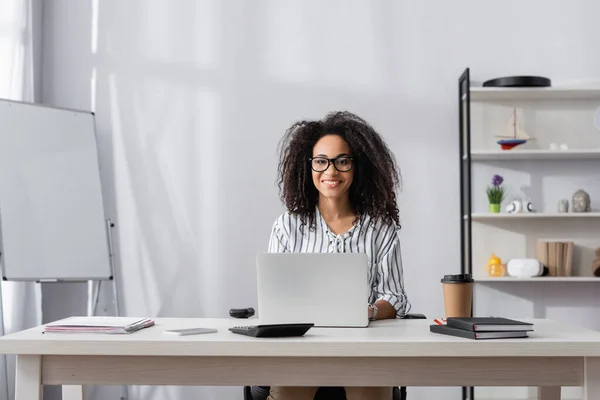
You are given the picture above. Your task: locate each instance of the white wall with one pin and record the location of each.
(192, 97)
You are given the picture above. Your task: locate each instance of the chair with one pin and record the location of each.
(324, 393)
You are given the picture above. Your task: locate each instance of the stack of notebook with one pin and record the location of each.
(483, 328)
(99, 325)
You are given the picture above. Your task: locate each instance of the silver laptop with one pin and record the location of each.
(328, 290)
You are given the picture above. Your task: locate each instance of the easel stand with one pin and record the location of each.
(94, 285)
(92, 301)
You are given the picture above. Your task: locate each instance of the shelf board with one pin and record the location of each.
(519, 398)
(489, 155)
(505, 279)
(543, 93)
(534, 215)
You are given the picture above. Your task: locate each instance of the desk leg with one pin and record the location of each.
(591, 378)
(74, 392)
(549, 393)
(28, 385)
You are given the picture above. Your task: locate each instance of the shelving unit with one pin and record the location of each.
(478, 147)
(537, 171)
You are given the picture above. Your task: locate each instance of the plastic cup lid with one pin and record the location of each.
(457, 278)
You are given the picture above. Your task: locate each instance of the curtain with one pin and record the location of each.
(20, 39)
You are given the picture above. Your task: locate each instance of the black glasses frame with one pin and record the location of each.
(331, 161)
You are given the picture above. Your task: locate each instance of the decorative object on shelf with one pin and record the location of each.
(495, 193)
(517, 206)
(563, 206)
(581, 201)
(494, 208)
(524, 267)
(596, 264)
(562, 147)
(525, 197)
(514, 207)
(518, 81)
(495, 267)
(514, 135)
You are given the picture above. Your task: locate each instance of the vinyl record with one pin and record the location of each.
(518, 81)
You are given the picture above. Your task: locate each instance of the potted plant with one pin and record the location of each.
(495, 193)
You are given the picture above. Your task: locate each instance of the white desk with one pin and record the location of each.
(390, 353)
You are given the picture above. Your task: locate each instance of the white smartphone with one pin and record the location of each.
(189, 331)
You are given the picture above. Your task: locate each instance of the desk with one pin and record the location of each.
(393, 352)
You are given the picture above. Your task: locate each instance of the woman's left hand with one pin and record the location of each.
(384, 310)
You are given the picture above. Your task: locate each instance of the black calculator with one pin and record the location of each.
(273, 330)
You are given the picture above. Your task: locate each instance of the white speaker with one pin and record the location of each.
(524, 267)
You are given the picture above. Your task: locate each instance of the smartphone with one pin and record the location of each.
(189, 331)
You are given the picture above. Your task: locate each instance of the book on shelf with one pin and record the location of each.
(122, 325)
(557, 256)
(479, 328)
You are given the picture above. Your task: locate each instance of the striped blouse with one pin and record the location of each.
(380, 241)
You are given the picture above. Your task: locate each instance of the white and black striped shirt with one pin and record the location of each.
(380, 241)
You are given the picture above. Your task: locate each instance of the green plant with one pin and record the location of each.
(496, 192)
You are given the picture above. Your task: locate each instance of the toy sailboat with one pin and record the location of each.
(515, 134)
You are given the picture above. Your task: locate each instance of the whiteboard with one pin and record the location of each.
(52, 222)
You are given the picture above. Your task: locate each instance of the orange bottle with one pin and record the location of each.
(494, 266)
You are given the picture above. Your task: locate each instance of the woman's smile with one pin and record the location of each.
(331, 183)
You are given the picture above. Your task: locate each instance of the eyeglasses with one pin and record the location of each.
(342, 164)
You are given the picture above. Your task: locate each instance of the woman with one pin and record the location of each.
(338, 179)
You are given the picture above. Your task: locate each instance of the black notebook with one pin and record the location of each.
(489, 324)
(448, 330)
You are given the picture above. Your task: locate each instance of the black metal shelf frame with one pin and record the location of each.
(464, 101)
(464, 133)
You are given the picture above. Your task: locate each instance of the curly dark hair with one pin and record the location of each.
(376, 175)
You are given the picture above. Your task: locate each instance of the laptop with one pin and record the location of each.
(326, 289)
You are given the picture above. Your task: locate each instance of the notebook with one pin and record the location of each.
(99, 325)
(449, 330)
(489, 324)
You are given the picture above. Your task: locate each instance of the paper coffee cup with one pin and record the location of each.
(458, 295)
